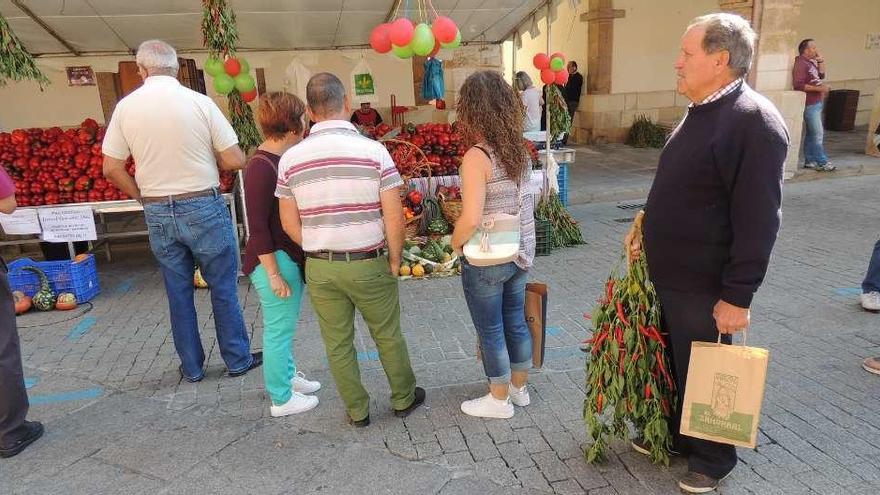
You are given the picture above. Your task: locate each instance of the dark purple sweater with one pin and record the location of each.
(264, 221)
(714, 209)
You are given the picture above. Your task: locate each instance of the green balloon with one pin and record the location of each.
(454, 43)
(214, 67)
(557, 64)
(224, 84)
(244, 82)
(423, 40)
(245, 66)
(402, 51)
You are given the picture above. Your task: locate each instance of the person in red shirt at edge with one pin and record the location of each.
(366, 116)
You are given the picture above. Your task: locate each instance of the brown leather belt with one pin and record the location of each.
(179, 197)
(343, 256)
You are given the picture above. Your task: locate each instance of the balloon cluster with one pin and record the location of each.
(405, 39)
(552, 68)
(232, 74)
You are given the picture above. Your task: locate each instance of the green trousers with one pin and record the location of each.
(336, 288)
(280, 317)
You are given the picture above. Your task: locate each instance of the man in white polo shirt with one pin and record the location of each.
(179, 138)
(340, 201)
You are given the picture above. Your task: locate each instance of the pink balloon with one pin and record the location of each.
(436, 48)
(541, 61)
(402, 31)
(562, 77)
(548, 76)
(444, 29)
(380, 38)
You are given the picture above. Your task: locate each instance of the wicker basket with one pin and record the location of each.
(451, 208)
(415, 226)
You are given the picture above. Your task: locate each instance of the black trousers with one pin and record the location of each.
(688, 318)
(13, 397)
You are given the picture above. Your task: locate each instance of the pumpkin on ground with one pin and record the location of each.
(22, 302)
(66, 301)
(44, 299)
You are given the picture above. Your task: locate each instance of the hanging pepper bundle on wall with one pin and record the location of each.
(220, 37)
(628, 375)
(16, 63)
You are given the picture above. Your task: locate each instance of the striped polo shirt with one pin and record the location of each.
(336, 176)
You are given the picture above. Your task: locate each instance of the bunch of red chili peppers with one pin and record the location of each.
(629, 381)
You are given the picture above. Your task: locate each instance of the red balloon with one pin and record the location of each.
(541, 61)
(562, 77)
(380, 38)
(548, 76)
(232, 67)
(249, 96)
(436, 48)
(444, 29)
(558, 54)
(402, 31)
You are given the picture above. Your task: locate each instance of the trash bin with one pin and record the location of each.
(840, 109)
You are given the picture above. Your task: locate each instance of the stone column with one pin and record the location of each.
(600, 41)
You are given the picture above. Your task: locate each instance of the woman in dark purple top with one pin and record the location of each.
(273, 261)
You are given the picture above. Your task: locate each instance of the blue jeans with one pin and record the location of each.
(183, 233)
(872, 278)
(496, 298)
(814, 133)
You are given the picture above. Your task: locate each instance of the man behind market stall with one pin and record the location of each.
(713, 212)
(173, 134)
(572, 92)
(340, 200)
(16, 434)
(366, 116)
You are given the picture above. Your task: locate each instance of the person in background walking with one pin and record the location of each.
(572, 93)
(713, 213)
(173, 134)
(807, 76)
(272, 260)
(16, 433)
(531, 100)
(340, 200)
(493, 173)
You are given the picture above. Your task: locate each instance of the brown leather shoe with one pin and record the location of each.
(872, 365)
(694, 482)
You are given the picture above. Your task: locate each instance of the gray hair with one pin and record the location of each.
(158, 57)
(325, 94)
(522, 81)
(732, 33)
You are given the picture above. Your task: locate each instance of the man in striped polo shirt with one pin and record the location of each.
(340, 201)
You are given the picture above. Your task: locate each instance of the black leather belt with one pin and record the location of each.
(344, 256)
(179, 197)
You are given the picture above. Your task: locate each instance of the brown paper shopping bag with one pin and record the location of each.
(724, 392)
(536, 319)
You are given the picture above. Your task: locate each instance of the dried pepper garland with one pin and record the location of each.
(628, 375)
(220, 36)
(16, 63)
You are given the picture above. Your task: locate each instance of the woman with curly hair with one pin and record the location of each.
(493, 175)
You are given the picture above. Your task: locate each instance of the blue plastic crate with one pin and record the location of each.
(562, 178)
(80, 279)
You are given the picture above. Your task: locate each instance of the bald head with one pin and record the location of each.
(326, 97)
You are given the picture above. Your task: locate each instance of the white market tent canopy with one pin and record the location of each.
(65, 27)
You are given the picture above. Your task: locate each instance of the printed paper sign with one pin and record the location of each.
(363, 84)
(68, 224)
(23, 221)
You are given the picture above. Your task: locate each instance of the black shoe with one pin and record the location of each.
(257, 362)
(417, 401)
(361, 423)
(191, 380)
(32, 431)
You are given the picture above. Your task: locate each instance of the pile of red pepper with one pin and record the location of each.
(55, 166)
(629, 380)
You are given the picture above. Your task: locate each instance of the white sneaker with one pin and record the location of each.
(810, 165)
(519, 396)
(303, 386)
(871, 301)
(488, 407)
(298, 403)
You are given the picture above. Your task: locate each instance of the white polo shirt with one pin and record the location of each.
(172, 132)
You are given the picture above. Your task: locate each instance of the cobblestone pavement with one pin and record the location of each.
(119, 419)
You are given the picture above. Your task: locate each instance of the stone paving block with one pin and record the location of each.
(500, 431)
(551, 466)
(400, 444)
(428, 450)
(532, 479)
(532, 440)
(564, 444)
(515, 455)
(451, 440)
(459, 459)
(481, 446)
(782, 478)
(567, 487)
(497, 471)
(586, 475)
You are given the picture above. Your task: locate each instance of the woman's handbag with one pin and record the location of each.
(495, 242)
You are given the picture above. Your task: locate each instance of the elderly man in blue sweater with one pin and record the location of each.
(713, 212)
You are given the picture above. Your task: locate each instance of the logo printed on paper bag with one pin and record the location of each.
(720, 417)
